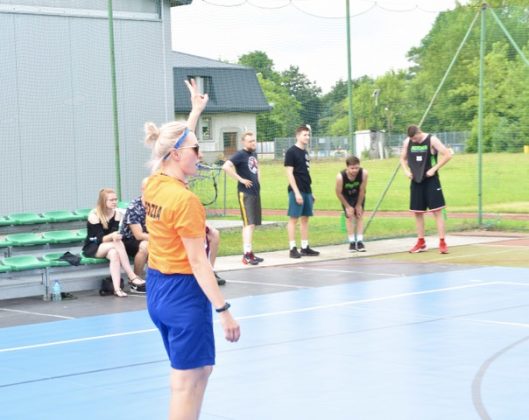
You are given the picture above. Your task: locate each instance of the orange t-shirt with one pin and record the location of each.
(172, 213)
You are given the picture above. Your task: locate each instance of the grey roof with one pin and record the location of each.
(175, 3)
(181, 59)
(234, 88)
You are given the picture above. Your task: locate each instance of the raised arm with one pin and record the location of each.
(198, 103)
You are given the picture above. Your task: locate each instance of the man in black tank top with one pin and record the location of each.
(421, 158)
(351, 186)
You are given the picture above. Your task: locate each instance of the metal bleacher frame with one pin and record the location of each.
(16, 281)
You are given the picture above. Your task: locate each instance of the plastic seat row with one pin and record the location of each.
(17, 219)
(52, 237)
(30, 262)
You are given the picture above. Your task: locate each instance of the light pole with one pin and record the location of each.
(349, 82)
(114, 98)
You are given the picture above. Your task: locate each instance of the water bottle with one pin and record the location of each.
(56, 291)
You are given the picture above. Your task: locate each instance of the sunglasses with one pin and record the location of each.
(195, 147)
(180, 141)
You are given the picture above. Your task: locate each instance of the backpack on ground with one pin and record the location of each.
(107, 287)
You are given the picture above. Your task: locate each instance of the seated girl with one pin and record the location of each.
(103, 240)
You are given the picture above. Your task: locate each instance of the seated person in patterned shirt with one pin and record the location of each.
(134, 231)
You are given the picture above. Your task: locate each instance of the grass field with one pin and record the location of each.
(498, 254)
(505, 190)
(505, 184)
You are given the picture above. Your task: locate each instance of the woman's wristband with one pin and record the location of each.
(223, 309)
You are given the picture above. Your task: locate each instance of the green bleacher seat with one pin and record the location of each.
(26, 239)
(4, 242)
(27, 218)
(83, 213)
(123, 204)
(61, 216)
(4, 268)
(53, 259)
(88, 260)
(61, 236)
(5, 222)
(81, 233)
(24, 262)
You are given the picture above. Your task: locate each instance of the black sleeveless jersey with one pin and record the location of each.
(421, 158)
(350, 189)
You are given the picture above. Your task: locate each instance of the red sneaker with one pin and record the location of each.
(419, 247)
(443, 248)
(249, 258)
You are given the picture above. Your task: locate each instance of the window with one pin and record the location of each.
(205, 128)
(205, 85)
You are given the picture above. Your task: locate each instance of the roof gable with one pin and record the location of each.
(231, 87)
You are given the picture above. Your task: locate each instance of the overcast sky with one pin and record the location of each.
(310, 34)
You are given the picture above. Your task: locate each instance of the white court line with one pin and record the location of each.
(455, 257)
(370, 300)
(514, 283)
(350, 271)
(76, 340)
(264, 315)
(291, 286)
(36, 313)
(503, 323)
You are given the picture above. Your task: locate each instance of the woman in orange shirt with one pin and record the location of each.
(181, 285)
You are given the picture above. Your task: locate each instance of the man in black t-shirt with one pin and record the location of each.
(421, 158)
(300, 197)
(244, 167)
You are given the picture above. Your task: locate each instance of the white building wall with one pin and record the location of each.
(224, 123)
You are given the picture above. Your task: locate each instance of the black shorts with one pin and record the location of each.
(250, 205)
(426, 195)
(90, 249)
(132, 245)
(352, 203)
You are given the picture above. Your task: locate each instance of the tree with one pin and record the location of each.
(431, 60)
(338, 119)
(505, 125)
(261, 63)
(331, 108)
(284, 117)
(307, 93)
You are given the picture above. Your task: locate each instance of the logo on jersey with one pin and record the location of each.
(252, 164)
(351, 185)
(419, 148)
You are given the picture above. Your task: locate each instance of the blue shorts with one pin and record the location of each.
(183, 314)
(298, 210)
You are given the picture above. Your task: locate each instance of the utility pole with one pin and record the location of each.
(114, 98)
(352, 143)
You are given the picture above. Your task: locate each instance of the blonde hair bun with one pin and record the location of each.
(151, 133)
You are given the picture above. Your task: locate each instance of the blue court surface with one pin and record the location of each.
(450, 345)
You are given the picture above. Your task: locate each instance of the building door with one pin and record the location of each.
(230, 143)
